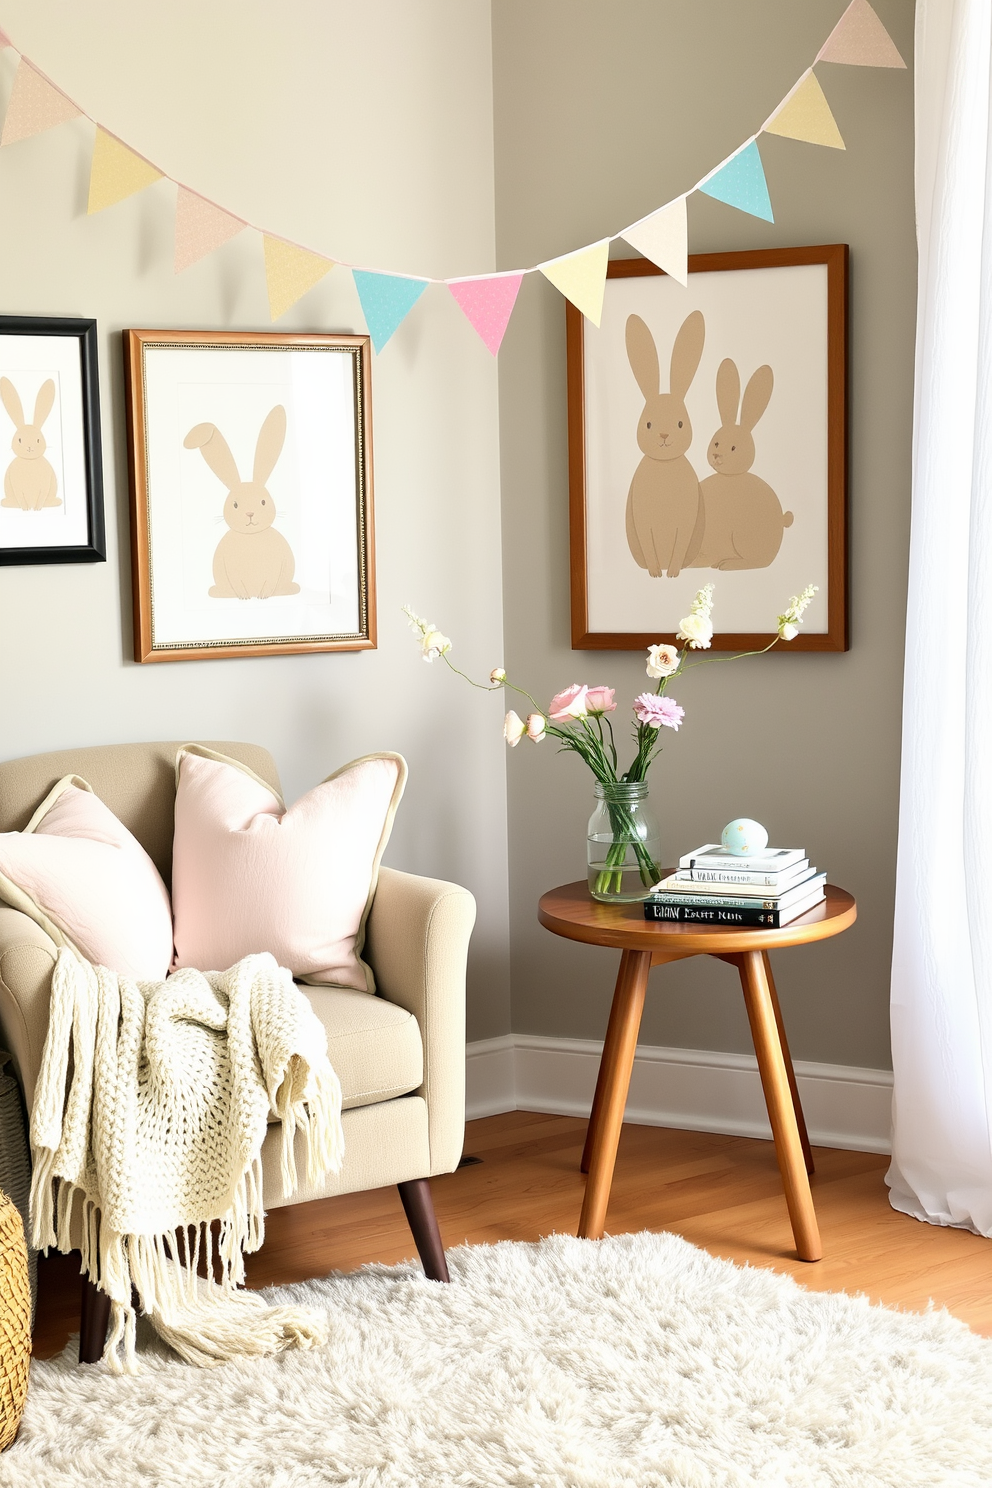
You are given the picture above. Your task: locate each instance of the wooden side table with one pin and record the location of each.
(571, 912)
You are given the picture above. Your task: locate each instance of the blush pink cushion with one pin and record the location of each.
(79, 873)
(250, 875)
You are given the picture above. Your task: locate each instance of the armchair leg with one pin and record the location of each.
(94, 1319)
(419, 1207)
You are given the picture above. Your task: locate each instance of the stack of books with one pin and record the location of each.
(715, 887)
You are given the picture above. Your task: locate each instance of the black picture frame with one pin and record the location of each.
(94, 549)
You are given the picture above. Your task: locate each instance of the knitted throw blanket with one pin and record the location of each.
(148, 1122)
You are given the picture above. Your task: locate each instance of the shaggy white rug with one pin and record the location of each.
(628, 1363)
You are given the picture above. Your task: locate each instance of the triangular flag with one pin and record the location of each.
(860, 40)
(663, 238)
(488, 303)
(200, 228)
(35, 105)
(290, 272)
(806, 116)
(581, 277)
(5, 40)
(116, 172)
(740, 182)
(386, 301)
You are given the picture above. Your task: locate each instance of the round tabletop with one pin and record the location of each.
(571, 911)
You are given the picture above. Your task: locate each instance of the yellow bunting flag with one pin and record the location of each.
(581, 277)
(116, 172)
(200, 228)
(290, 272)
(35, 105)
(805, 115)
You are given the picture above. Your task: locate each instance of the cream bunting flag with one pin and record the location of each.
(35, 105)
(116, 172)
(860, 40)
(290, 272)
(805, 115)
(201, 227)
(663, 238)
(581, 277)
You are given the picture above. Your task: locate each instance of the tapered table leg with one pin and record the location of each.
(94, 1318)
(614, 1081)
(779, 1099)
(606, 1061)
(796, 1102)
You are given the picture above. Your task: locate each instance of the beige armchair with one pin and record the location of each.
(400, 1055)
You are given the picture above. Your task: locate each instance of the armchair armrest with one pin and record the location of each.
(416, 941)
(27, 959)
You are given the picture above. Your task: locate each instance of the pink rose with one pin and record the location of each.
(658, 712)
(600, 700)
(570, 704)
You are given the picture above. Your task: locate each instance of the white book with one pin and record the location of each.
(731, 899)
(770, 860)
(770, 887)
(748, 875)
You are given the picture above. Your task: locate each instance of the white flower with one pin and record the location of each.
(514, 729)
(497, 675)
(434, 645)
(536, 726)
(697, 629)
(790, 621)
(662, 661)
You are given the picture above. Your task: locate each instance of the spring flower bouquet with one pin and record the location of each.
(623, 839)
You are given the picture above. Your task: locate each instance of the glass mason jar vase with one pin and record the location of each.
(623, 843)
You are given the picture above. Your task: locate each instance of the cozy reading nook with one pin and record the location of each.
(618, 340)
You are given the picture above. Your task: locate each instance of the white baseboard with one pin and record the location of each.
(693, 1089)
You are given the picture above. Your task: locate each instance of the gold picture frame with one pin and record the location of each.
(250, 467)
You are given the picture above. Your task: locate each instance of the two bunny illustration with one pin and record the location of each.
(30, 483)
(732, 519)
(252, 560)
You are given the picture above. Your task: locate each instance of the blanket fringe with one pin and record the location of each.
(206, 1319)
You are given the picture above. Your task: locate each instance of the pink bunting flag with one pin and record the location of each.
(35, 105)
(488, 303)
(200, 228)
(5, 40)
(860, 40)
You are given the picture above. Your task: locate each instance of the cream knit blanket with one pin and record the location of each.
(148, 1122)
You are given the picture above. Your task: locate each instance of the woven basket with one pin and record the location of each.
(15, 1321)
(15, 1163)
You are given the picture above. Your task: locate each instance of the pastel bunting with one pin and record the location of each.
(35, 105)
(488, 303)
(290, 272)
(663, 238)
(581, 277)
(116, 172)
(201, 227)
(387, 300)
(740, 182)
(860, 40)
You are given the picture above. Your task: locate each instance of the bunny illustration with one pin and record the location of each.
(30, 482)
(252, 560)
(663, 502)
(741, 518)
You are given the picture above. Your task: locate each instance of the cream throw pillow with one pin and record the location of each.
(249, 875)
(80, 874)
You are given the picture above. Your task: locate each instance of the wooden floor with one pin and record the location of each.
(722, 1193)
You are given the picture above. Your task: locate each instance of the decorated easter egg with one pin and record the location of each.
(744, 838)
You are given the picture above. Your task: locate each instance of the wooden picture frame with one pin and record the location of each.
(610, 593)
(224, 428)
(51, 508)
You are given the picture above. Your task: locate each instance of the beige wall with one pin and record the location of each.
(603, 112)
(366, 132)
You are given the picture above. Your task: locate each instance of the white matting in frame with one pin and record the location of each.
(256, 512)
(782, 316)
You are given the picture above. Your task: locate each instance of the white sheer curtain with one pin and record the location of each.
(942, 959)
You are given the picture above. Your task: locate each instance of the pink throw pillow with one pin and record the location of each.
(80, 874)
(250, 875)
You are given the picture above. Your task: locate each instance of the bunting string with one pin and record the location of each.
(487, 300)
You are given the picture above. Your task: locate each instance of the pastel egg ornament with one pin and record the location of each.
(744, 838)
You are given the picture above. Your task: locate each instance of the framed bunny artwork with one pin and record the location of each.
(250, 458)
(51, 505)
(708, 442)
